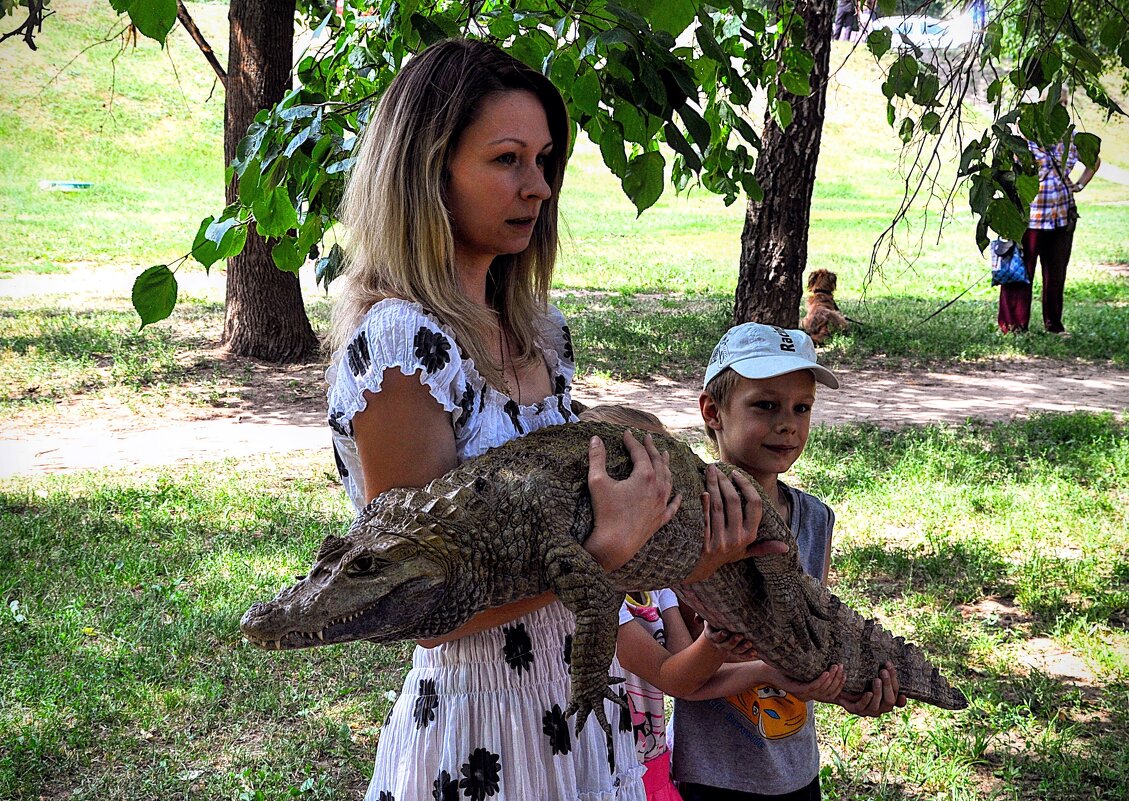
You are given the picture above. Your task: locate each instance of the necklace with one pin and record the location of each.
(503, 346)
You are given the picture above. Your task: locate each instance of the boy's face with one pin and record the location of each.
(763, 426)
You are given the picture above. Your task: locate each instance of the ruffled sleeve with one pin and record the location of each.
(394, 334)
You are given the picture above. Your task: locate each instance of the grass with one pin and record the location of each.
(127, 677)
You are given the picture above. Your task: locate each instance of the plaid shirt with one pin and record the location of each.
(1048, 209)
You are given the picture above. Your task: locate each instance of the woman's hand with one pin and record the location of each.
(882, 696)
(827, 687)
(732, 509)
(626, 513)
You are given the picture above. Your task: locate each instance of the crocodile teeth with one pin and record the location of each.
(321, 636)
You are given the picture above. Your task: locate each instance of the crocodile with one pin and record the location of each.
(419, 562)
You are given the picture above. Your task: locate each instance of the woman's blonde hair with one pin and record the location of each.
(401, 242)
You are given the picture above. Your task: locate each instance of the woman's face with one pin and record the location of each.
(496, 180)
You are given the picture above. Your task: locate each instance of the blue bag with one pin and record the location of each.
(1007, 263)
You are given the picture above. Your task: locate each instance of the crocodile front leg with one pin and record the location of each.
(583, 587)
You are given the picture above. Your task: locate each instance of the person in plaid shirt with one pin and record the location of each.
(1048, 240)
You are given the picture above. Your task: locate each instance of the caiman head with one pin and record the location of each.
(372, 585)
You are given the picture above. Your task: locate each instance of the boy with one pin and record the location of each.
(756, 403)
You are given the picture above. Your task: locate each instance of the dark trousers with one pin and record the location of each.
(700, 792)
(1051, 248)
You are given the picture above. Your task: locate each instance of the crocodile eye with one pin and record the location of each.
(361, 566)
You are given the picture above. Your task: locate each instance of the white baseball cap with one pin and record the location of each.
(754, 350)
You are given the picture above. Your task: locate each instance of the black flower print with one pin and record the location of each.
(342, 471)
(345, 428)
(385, 796)
(424, 710)
(432, 349)
(567, 655)
(358, 354)
(511, 408)
(466, 403)
(444, 788)
(518, 648)
(555, 726)
(481, 775)
(559, 387)
(624, 712)
(567, 351)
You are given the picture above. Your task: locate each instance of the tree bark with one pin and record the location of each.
(774, 241)
(264, 314)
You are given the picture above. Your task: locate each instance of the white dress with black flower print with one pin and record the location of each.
(482, 717)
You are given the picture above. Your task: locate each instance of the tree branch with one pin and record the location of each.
(189, 25)
(31, 26)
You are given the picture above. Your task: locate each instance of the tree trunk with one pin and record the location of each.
(774, 242)
(264, 314)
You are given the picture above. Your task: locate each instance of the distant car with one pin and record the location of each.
(928, 33)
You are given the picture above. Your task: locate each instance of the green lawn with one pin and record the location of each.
(126, 677)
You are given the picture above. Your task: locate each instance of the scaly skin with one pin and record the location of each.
(419, 563)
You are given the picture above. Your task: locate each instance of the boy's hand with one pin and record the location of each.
(732, 511)
(826, 687)
(883, 695)
(736, 647)
(626, 513)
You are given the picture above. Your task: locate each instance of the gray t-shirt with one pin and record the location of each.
(762, 741)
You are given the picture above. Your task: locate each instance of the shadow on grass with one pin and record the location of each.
(632, 337)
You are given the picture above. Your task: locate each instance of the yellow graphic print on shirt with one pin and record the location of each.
(773, 712)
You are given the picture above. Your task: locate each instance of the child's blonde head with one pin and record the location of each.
(624, 416)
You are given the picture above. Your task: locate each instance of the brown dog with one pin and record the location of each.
(823, 317)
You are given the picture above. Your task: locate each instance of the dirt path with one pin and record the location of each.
(80, 436)
(889, 399)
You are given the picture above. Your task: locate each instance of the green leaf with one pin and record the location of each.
(611, 148)
(905, 131)
(1113, 34)
(699, 129)
(586, 92)
(710, 48)
(678, 143)
(274, 213)
(643, 181)
(1027, 186)
(930, 122)
(153, 18)
(980, 193)
(286, 256)
(1085, 59)
(672, 16)
(154, 294)
(782, 113)
(1088, 146)
(249, 189)
(796, 83)
(1054, 11)
(878, 41)
(1006, 220)
(329, 267)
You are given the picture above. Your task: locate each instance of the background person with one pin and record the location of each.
(1049, 238)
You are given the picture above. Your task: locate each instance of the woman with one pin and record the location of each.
(445, 346)
(1049, 238)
